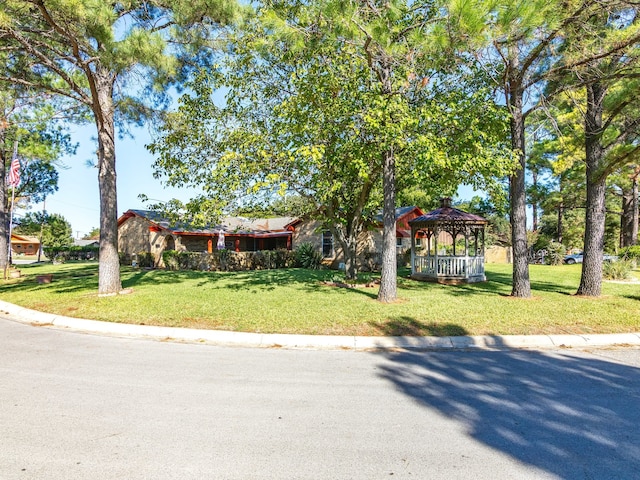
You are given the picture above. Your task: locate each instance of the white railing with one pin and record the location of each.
(449, 266)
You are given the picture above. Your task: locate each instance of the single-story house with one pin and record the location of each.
(24, 244)
(147, 231)
(369, 249)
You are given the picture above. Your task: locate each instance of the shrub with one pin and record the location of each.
(630, 253)
(62, 254)
(228, 260)
(620, 270)
(308, 256)
(555, 253)
(170, 259)
(143, 259)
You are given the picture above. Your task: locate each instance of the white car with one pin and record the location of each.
(577, 258)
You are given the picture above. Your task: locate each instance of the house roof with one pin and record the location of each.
(18, 238)
(400, 212)
(447, 214)
(258, 227)
(78, 242)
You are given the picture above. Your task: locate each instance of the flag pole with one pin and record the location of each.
(13, 196)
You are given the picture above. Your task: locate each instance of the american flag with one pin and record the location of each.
(14, 170)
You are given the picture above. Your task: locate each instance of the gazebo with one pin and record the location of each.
(447, 246)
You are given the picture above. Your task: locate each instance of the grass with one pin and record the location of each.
(297, 301)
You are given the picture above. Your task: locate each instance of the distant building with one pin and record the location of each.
(24, 244)
(77, 242)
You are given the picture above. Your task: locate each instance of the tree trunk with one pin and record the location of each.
(109, 266)
(591, 279)
(534, 204)
(4, 214)
(629, 219)
(348, 242)
(560, 225)
(521, 286)
(389, 272)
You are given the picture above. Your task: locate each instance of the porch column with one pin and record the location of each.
(436, 234)
(413, 251)
(466, 252)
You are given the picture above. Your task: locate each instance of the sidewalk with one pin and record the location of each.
(243, 339)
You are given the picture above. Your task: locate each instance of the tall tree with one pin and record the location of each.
(36, 123)
(55, 229)
(608, 43)
(398, 39)
(112, 58)
(525, 39)
(629, 219)
(304, 113)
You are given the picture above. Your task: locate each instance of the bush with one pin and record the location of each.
(308, 256)
(555, 253)
(144, 259)
(227, 260)
(62, 254)
(620, 270)
(630, 253)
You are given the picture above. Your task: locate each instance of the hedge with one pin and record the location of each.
(226, 260)
(62, 254)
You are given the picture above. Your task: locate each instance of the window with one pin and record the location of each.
(419, 242)
(327, 244)
(398, 241)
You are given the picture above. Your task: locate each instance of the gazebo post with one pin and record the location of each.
(413, 251)
(466, 252)
(436, 234)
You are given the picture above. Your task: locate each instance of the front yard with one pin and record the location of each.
(298, 301)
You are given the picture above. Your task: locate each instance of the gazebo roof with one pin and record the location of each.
(446, 214)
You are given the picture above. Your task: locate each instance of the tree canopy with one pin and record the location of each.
(113, 58)
(304, 114)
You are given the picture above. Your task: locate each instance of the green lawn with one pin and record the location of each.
(297, 301)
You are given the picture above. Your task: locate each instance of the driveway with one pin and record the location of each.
(90, 407)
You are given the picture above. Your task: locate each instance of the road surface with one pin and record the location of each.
(78, 406)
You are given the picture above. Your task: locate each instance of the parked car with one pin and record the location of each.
(577, 258)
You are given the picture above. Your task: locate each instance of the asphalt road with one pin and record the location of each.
(77, 406)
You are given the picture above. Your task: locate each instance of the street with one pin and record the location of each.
(79, 406)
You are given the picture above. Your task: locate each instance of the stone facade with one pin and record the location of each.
(137, 234)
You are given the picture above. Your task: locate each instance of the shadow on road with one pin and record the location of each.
(577, 418)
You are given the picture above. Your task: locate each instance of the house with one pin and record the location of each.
(147, 231)
(24, 244)
(369, 249)
(81, 242)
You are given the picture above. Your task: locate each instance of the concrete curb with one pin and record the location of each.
(277, 340)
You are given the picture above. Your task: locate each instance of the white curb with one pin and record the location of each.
(278, 340)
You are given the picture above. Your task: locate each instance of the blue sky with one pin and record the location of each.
(77, 197)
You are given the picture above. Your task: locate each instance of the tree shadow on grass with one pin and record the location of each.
(500, 284)
(307, 281)
(406, 326)
(64, 280)
(85, 278)
(573, 417)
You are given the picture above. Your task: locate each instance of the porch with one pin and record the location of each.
(448, 269)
